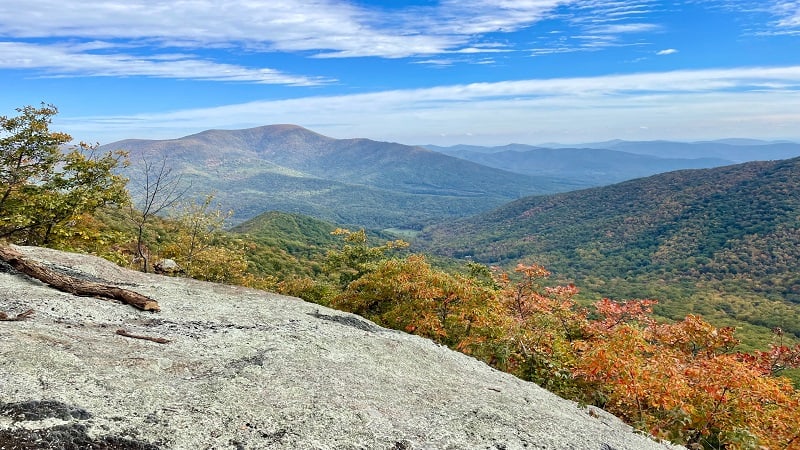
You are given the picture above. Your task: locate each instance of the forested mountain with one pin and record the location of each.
(596, 165)
(729, 232)
(347, 181)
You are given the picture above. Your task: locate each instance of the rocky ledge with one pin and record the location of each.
(226, 367)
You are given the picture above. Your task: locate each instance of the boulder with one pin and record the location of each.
(224, 367)
(167, 267)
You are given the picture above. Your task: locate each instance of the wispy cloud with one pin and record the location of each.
(66, 61)
(624, 28)
(667, 51)
(329, 28)
(599, 24)
(784, 15)
(759, 101)
(789, 13)
(326, 28)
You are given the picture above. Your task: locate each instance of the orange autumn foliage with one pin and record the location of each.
(682, 381)
(408, 294)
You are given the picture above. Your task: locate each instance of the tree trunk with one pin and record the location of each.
(74, 285)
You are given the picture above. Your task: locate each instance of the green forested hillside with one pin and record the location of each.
(285, 244)
(722, 241)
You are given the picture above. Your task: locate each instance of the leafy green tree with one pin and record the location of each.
(357, 258)
(44, 189)
(197, 241)
(198, 228)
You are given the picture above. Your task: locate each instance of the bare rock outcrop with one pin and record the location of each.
(244, 369)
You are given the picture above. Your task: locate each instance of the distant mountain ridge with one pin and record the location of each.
(348, 181)
(734, 149)
(366, 183)
(595, 165)
(738, 152)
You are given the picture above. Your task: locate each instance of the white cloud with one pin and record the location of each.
(438, 62)
(789, 12)
(329, 28)
(786, 14)
(332, 28)
(282, 25)
(64, 60)
(668, 51)
(755, 102)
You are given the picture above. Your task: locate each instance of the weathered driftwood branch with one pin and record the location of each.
(73, 285)
(21, 316)
(146, 338)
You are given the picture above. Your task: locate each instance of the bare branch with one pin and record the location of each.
(146, 338)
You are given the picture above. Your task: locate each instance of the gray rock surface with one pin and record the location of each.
(246, 369)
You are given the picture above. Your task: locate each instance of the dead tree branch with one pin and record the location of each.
(19, 317)
(75, 286)
(146, 338)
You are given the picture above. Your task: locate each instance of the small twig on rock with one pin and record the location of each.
(19, 317)
(146, 338)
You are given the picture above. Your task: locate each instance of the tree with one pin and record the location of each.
(540, 325)
(408, 294)
(159, 189)
(45, 189)
(196, 241)
(197, 228)
(684, 382)
(356, 258)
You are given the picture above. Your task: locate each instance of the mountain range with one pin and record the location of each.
(383, 185)
(596, 166)
(735, 149)
(348, 181)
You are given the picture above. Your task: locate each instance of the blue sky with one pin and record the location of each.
(483, 72)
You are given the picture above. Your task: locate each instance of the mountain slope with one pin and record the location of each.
(349, 181)
(598, 166)
(734, 229)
